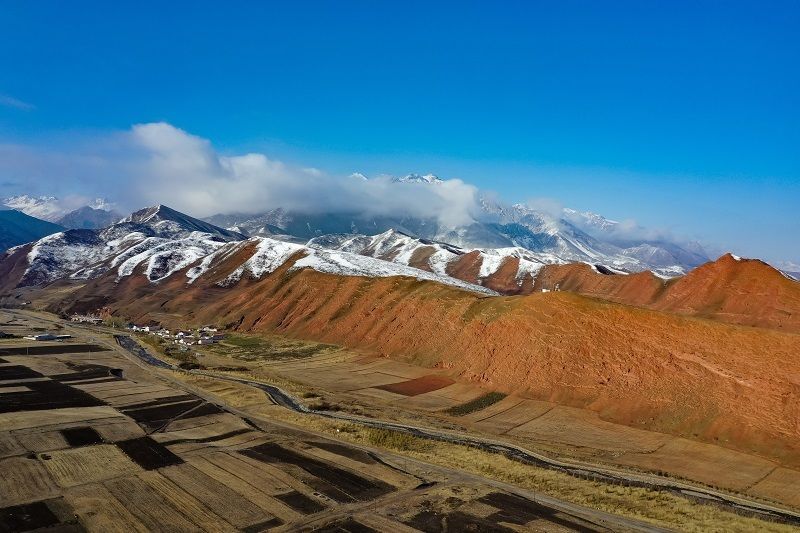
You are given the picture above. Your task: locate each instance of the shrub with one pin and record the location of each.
(477, 404)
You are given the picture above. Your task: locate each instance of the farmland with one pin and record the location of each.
(136, 450)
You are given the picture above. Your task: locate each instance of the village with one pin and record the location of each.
(203, 336)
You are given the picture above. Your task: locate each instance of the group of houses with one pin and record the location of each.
(87, 319)
(204, 335)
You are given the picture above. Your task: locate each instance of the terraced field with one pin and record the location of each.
(92, 441)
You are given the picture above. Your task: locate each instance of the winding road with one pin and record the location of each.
(701, 494)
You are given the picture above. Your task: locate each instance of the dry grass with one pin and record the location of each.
(659, 508)
(394, 440)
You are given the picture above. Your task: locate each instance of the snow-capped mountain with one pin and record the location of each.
(167, 223)
(70, 213)
(474, 266)
(417, 178)
(166, 238)
(159, 242)
(88, 217)
(42, 207)
(552, 238)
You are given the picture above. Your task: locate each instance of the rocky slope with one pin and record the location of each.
(88, 217)
(565, 236)
(18, 228)
(748, 292)
(733, 386)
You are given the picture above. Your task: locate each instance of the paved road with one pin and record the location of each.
(702, 494)
(281, 397)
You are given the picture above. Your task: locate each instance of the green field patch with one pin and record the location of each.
(477, 404)
(263, 348)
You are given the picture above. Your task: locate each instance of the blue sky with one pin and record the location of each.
(681, 115)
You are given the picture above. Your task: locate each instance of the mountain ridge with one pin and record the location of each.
(18, 228)
(160, 242)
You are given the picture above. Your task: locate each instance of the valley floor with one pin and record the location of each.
(146, 445)
(381, 385)
(89, 439)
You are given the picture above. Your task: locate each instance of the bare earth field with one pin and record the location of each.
(388, 388)
(82, 448)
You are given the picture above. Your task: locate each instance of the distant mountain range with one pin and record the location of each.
(563, 237)
(441, 305)
(531, 237)
(19, 228)
(96, 214)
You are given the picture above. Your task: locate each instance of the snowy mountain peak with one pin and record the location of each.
(417, 178)
(102, 204)
(152, 214)
(42, 207)
(54, 209)
(590, 219)
(168, 222)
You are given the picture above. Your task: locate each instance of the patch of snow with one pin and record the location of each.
(219, 255)
(439, 260)
(527, 267)
(165, 257)
(490, 263)
(348, 264)
(269, 255)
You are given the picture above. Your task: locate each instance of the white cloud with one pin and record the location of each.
(10, 101)
(159, 163)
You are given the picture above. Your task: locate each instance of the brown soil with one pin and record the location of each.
(641, 289)
(421, 258)
(747, 292)
(733, 386)
(12, 267)
(504, 279)
(413, 387)
(466, 267)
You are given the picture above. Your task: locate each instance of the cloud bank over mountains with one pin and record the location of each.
(192, 176)
(158, 163)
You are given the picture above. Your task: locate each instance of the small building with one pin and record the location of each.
(42, 337)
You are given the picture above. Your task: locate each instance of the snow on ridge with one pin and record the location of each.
(439, 260)
(60, 255)
(269, 255)
(220, 254)
(349, 264)
(490, 263)
(527, 267)
(164, 257)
